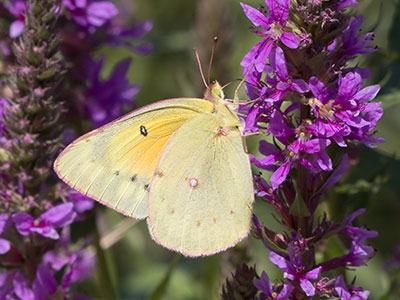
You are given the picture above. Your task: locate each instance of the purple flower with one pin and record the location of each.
(345, 3)
(282, 81)
(357, 234)
(58, 216)
(265, 286)
(354, 293)
(6, 286)
(293, 270)
(359, 252)
(43, 285)
(21, 287)
(17, 9)
(272, 28)
(346, 114)
(4, 244)
(358, 255)
(90, 13)
(118, 35)
(353, 42)
(307, 151)
(3, 106)
(81, 202)
(78, 265)
(107, 97)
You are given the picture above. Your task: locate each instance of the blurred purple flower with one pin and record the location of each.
(3, 106)
(21, 287)
(119, 35)
(265, 286)
(43, 285)
(107, 97)
(90, 13)
(272, 29)
(46, 224)
(80, 201)
(345, 3)
(394, 261)
(79, 264)
(14, 285)
(6, 286)
(354, 293)
(4, 244)
(17, 9)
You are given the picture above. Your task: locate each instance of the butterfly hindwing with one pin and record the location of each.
(202, 192)
(114, 164)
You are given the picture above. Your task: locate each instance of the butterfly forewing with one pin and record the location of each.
(202, 192)
(115, 163)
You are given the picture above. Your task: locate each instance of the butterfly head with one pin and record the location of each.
(214, 92)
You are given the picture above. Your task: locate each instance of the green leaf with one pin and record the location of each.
(103, 269)
(298, 207)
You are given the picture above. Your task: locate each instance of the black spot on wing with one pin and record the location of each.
(146, 187)
(116, 173)
(143, 130)
(133, 178)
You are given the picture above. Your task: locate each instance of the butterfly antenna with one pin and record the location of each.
(212, 58)
(196, 53)
(236, 95)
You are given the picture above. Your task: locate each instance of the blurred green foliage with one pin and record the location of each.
(140, 269)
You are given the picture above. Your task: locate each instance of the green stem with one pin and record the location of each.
(103, 269)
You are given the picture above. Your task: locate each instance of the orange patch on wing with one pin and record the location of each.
(136, 151)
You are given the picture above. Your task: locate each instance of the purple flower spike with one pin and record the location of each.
(58, 216)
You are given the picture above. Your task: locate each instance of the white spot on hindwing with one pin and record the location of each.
(193, 182)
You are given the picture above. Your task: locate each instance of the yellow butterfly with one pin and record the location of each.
(180, 163)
